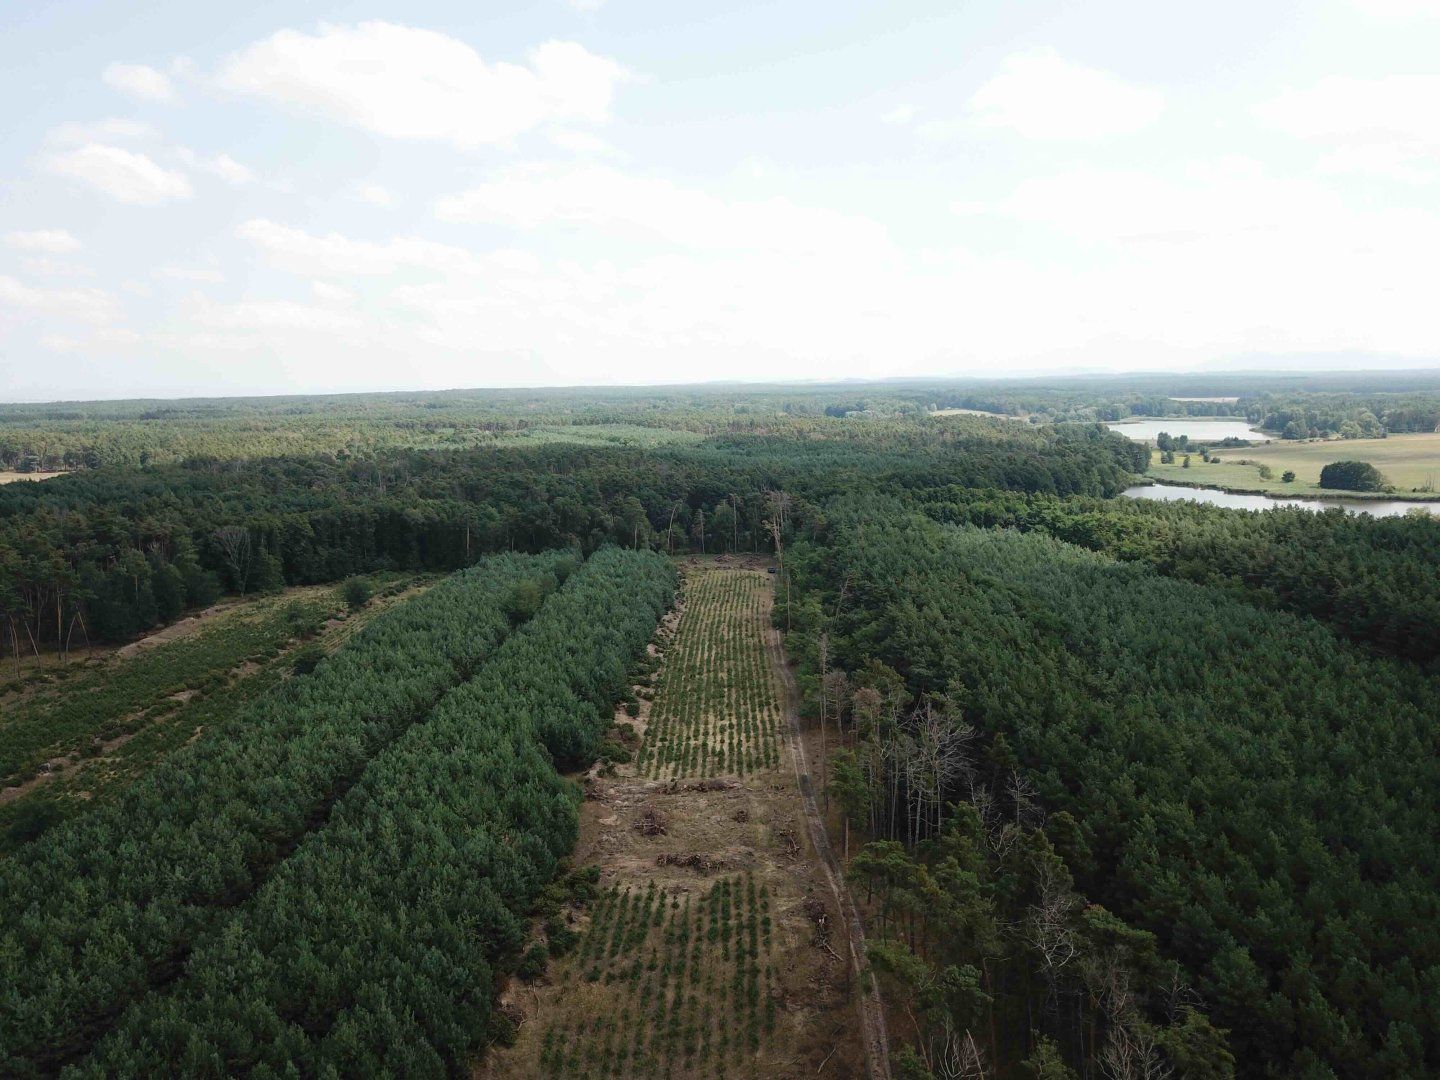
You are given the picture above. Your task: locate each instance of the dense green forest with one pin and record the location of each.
(1375, 579)
(87, 435)
(112, 552)
(433, 860)
(108, 903)
(1122, 785)
(1254, 792)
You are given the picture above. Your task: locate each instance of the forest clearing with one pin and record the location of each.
(714, 947)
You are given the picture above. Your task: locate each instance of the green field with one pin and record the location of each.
(1410, 462)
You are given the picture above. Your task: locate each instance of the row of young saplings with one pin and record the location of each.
(693, 983)
(714, 710)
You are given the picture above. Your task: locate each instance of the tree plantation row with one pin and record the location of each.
(1255, 792)
(372, 949)
(105, 905)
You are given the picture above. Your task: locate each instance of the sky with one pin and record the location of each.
(287, 198)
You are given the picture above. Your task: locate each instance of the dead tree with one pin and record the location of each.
(778, 506)
(234, 544)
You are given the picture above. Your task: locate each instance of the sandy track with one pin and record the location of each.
(870, 1007)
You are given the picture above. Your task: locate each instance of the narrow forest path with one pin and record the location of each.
(870, 1007)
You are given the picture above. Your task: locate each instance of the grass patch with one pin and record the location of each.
(1410, 462)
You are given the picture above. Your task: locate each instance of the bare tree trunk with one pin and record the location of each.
(33, 643)
(824, 708)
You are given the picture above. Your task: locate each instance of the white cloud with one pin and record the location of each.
(585, 7)
(332, 294)
(901, 114)
(221, 165)
(341, 256)
(139, 81)
(1399, 9)
(408, 83)
(49, 241)
(113, 129)
(1387, 128)
(1040, 95)
(1406, 165)
(1215, 198)
(268, 315)
(83, 305)
(124, 175)
(45, 266)
(375, 195)
(1227, 257)
(1395, 107)
(655, 210)
(108, 337)
(582, 143)
(176, 272)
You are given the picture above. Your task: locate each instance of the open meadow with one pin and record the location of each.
(1411, 462)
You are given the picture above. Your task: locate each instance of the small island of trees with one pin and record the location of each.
(1352, 476)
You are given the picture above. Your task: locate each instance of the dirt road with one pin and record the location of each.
(869, 1005)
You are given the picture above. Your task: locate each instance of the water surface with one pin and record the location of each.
(1237, 501)
(1195, 427)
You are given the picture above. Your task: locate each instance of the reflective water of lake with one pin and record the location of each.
(1195, 427)
(1374, 507)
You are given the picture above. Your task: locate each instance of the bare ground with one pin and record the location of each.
(748, 831)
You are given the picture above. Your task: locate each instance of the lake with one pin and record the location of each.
(1237, 501)
(1195, 427)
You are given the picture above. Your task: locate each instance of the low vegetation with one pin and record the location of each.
(693, 980)
(714, 711)
(1409, 462)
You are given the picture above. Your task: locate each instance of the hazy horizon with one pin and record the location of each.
(1058, 379)
(582, 192)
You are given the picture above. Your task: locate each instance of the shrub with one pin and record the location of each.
(532, 964)
(357, 593)
(1352, 476)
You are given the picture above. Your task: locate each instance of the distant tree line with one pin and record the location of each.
(104, 555)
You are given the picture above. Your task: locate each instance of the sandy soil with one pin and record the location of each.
(16, 477)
